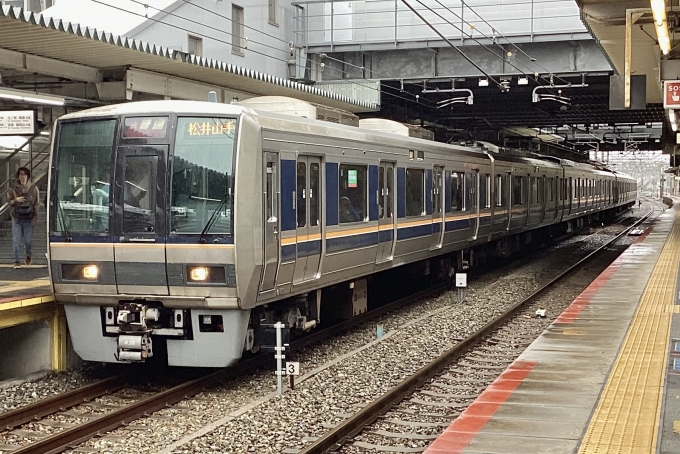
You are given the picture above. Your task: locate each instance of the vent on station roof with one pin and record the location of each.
(394, 127)
(296, 107)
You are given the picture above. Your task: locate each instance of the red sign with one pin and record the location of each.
(671, 94)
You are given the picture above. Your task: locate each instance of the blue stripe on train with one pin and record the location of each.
(405, 233)
(307, 248)
(459, 224)
(351, 242)
(385, 235)
(288, 252)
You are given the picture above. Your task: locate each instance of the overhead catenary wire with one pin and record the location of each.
(535, 76)
(510, 42)
(416, 101)
(453, 45)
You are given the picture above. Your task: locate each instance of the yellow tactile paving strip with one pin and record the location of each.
(626, 419)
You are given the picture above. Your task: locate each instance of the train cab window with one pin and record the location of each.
(139, 213)
(517, 191)
(500, 191)
(352, 193)
(202, 175)
(415, 192)
(83, 176)
(458, 191)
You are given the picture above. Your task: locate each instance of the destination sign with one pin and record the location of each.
(210, 127)
(145, 127)
(17, 123)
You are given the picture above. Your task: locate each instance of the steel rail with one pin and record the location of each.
(353, 425)
(14, 418)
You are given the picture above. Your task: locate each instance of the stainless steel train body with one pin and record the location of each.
(191, 222)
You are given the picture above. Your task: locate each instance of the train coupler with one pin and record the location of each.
(133, 347)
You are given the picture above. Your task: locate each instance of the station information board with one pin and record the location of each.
(17, 123)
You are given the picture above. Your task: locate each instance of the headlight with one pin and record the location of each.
(80, 272)
(206, 274)
(90, 272)
(198, 273)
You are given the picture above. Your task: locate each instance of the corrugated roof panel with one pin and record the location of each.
(24, 31)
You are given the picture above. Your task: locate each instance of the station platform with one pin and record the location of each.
(30, 321)
(603, 378)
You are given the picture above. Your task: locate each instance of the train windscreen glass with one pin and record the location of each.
(202, 176)
(83, 176)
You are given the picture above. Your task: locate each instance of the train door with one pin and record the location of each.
(308, 216)
(437, 208)
(272, 246)
(139, 220)
(474, 203)
(386, 219)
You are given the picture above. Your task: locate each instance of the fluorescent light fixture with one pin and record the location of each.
(661, 26)
(26, 96)
(523, 81)
(674, 126)
(671, 115)
(483, 82)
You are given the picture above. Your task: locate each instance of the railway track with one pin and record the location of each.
(441, 390)
(110, 416)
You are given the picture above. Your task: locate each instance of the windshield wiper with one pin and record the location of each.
(64, 228)
(213, 218)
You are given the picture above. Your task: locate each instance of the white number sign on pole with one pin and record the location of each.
(292, 368)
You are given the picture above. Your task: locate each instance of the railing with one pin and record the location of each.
(35, 164)
(336, 22)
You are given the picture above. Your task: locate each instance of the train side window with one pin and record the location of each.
(457, 191)
(487, 191)
(301, 206)
(499, 190)
(517, 191)
(314, 194)
(352, 193)
(381, 193)
(550, 189)
(415, 192)
(388, 192)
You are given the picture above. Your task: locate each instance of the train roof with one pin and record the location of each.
(275, 121)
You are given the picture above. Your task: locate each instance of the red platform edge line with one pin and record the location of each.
(464, 428)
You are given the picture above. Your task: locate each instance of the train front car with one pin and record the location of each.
(141, 242)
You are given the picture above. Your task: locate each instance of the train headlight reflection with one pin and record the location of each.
(199, 273)
(90, 272)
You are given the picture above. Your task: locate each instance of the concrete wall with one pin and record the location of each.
(27, 349)
(268, 54)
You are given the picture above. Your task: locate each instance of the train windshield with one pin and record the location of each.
(202, 176)
(84, 168)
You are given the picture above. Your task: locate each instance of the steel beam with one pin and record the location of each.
(632, 16)
(137, 80)
(48, 66)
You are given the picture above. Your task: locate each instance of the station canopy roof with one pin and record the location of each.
(38, 50)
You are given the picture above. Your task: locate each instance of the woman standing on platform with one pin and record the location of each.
(24, 199)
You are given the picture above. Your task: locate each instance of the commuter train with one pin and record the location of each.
(179, 228)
